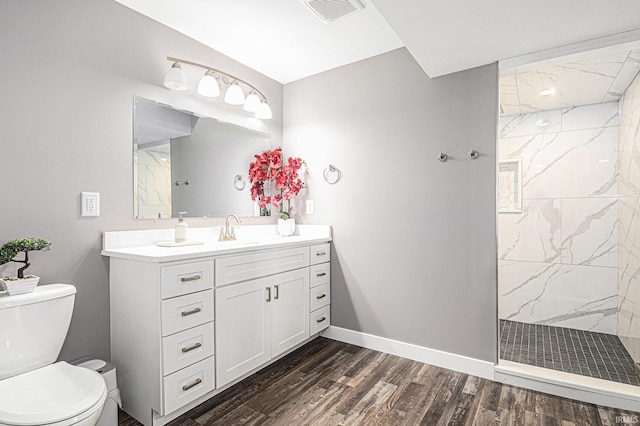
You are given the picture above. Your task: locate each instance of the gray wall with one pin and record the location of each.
(414, 238)
(70, 69)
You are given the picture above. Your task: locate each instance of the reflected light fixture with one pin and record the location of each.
(208, 86)
(211, 83)
(176, 79)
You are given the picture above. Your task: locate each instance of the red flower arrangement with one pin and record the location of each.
(269, 167)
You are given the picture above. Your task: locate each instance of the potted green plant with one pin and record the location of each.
(8, 253)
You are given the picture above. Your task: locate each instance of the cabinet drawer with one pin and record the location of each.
(255, 265)
(188, 384)
(319, 274)
(181, 313)
(320, 254)
(186, 278)
(319, 319)
(185, 348)
(319, 296)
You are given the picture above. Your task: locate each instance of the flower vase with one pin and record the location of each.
(15, 286)
(286, 227)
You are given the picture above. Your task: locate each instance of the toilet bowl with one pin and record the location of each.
(34, 389)
(58, 394)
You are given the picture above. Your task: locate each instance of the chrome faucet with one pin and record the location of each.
(227, 233)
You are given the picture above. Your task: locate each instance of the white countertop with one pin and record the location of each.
(141, 245)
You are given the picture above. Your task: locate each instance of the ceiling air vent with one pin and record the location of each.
(332, 10)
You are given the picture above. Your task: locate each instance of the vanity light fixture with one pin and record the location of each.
(234, 95)
(176, 79)
(252, 102)
(210, 86)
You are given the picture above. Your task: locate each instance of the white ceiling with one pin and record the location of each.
(285, 41)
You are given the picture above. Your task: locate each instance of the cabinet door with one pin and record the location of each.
(290, 310)
(243, 334)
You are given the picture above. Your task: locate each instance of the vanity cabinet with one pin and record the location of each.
(183, 328)
(258, 320)
(162, 333)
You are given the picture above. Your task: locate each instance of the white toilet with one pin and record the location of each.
(34, 390)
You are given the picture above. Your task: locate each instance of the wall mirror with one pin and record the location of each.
(187, 162)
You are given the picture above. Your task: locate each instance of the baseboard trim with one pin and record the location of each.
(581, 388)
(435, 357)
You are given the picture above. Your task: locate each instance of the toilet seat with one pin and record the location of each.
(57, 394)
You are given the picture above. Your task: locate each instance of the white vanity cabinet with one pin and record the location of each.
(188, 322)
(162, 333)
(260, 318)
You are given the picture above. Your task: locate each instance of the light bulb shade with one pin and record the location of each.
(208, 86)
(234, 95)
(264, 111)
(176, 79)
(252, 102)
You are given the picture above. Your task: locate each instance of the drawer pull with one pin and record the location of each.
(191, 278)
(321, 296)
(268, 294)
(321, 274)
(277, 295)
(191, 348)
(196, 383)
(321, 319)
(191, 312)
(321, 253)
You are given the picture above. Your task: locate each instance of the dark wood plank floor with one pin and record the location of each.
(333, 383)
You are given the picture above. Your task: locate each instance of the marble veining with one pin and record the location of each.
(559, 257)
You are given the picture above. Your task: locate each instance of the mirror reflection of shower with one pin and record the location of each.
(569, 214)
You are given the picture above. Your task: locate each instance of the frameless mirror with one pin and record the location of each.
(186, 162)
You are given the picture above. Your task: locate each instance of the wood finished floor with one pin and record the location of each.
(333, 383)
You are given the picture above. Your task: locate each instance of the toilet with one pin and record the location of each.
(34, 389)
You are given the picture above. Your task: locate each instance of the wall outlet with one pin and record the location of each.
(90, 202)
(309, 209)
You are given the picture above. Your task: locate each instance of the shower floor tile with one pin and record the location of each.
(586, 353)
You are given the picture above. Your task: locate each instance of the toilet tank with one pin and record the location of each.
(33, 327)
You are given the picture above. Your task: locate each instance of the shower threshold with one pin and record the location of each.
(585, 353)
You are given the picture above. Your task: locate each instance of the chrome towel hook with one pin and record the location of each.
(473, 154)
(442, 157)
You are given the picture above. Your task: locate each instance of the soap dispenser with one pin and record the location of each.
(181, 229)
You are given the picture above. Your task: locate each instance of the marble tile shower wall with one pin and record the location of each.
(558, 258)
(628, 327)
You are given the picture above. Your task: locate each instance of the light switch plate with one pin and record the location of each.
(309, 209)
(90, 204)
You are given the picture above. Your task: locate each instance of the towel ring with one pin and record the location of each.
(239, 183)
(332, 174)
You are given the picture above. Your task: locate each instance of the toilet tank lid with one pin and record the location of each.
(41, 293)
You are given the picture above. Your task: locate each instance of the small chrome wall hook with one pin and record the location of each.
(473, 154)
(442, 157)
